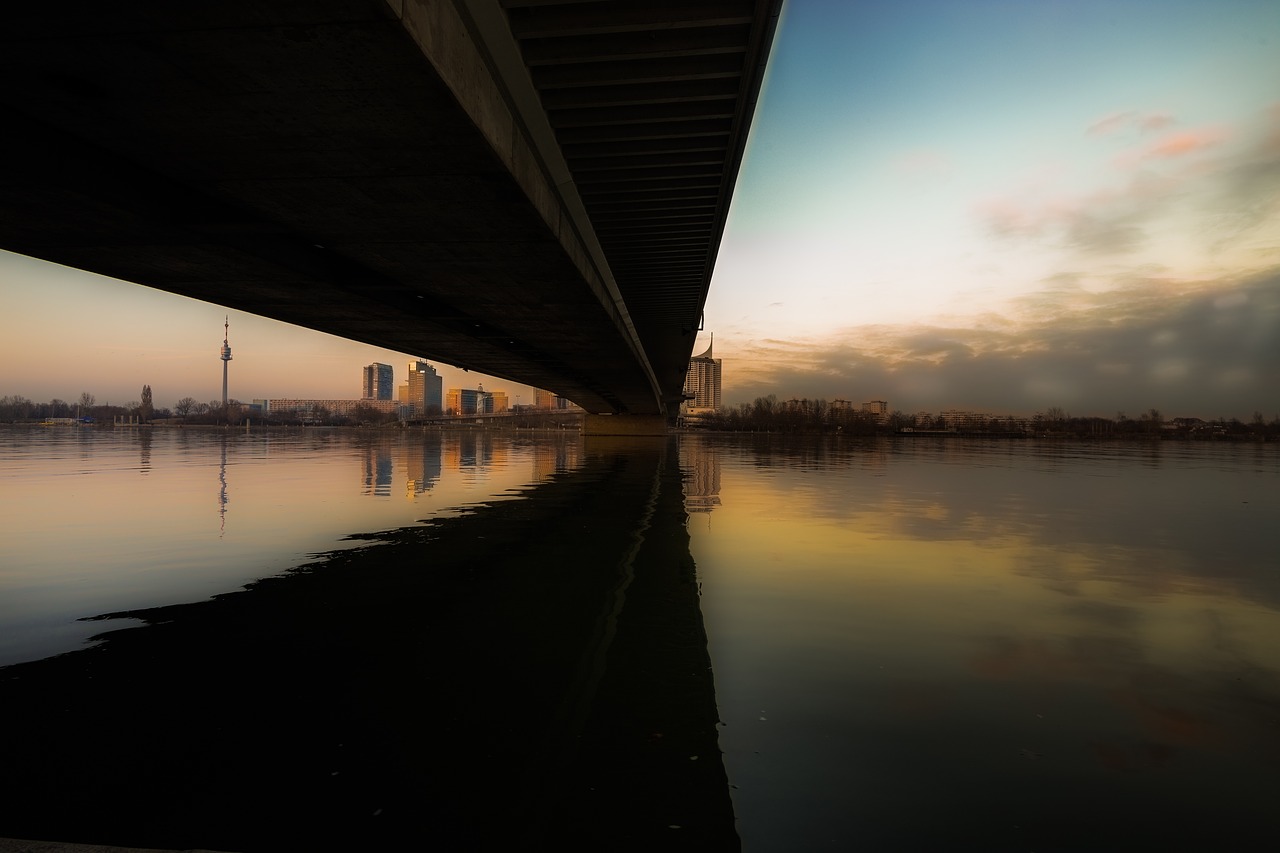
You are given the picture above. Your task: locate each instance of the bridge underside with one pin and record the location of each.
(315, 163)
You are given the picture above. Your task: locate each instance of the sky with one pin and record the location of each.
(997, 206)
(64, 331)
(1008, 206)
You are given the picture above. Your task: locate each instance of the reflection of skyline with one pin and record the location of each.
(144, 451)
(423, 459)
(467, 451)
(554, 459)
(611, 584)
(423, 465)
(377, 471)
(700, 471)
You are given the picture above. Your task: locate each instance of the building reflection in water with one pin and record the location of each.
(700, 471)
(465, 452)
(475, 456)
(377, 470)
(422, 465)
(533, 671)
(556, 458)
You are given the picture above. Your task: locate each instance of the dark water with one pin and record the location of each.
(922, 644)
(941, 644)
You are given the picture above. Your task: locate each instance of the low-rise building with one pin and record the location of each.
(338, 408)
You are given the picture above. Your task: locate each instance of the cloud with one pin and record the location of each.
(1204, 349)
(1249, 186)
(1172, 146)
(1208, 184)
(1116, 122)
(1110, 123)
(1108, 221)
(1102, 235)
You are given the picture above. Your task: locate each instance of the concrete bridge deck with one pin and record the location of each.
(531, 189)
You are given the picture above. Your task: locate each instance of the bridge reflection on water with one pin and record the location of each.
(526, 674)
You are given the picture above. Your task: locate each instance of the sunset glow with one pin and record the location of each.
(991, 205)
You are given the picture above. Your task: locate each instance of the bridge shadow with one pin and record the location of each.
(532, 674)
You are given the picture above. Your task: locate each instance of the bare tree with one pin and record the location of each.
(1152, 420)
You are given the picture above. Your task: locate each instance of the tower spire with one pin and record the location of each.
(226, 356)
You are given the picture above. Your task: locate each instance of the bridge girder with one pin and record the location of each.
(534, 190)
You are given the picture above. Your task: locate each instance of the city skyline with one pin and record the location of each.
(992, 206)
(174, 340)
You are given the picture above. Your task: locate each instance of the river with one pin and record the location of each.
(709, 642)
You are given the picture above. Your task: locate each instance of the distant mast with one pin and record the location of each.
(226, 356)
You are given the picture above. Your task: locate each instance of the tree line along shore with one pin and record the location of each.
(767, 414)
(764, 414)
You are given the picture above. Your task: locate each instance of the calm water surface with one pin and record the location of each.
(922, 644)
(100, 520)
(918, 644)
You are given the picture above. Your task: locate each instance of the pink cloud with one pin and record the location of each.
(1186, 142)
(1172, 146)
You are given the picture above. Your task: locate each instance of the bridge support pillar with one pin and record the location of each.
(624, 424)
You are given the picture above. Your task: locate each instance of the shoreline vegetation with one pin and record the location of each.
(768, 414)
(764, 415)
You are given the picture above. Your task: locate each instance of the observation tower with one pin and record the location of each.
(226, 356)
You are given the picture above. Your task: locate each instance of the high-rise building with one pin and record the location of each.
(542, 399)
(702, 383)
(422, 393)
(340, 408)
(463, 401)
(379, 382)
